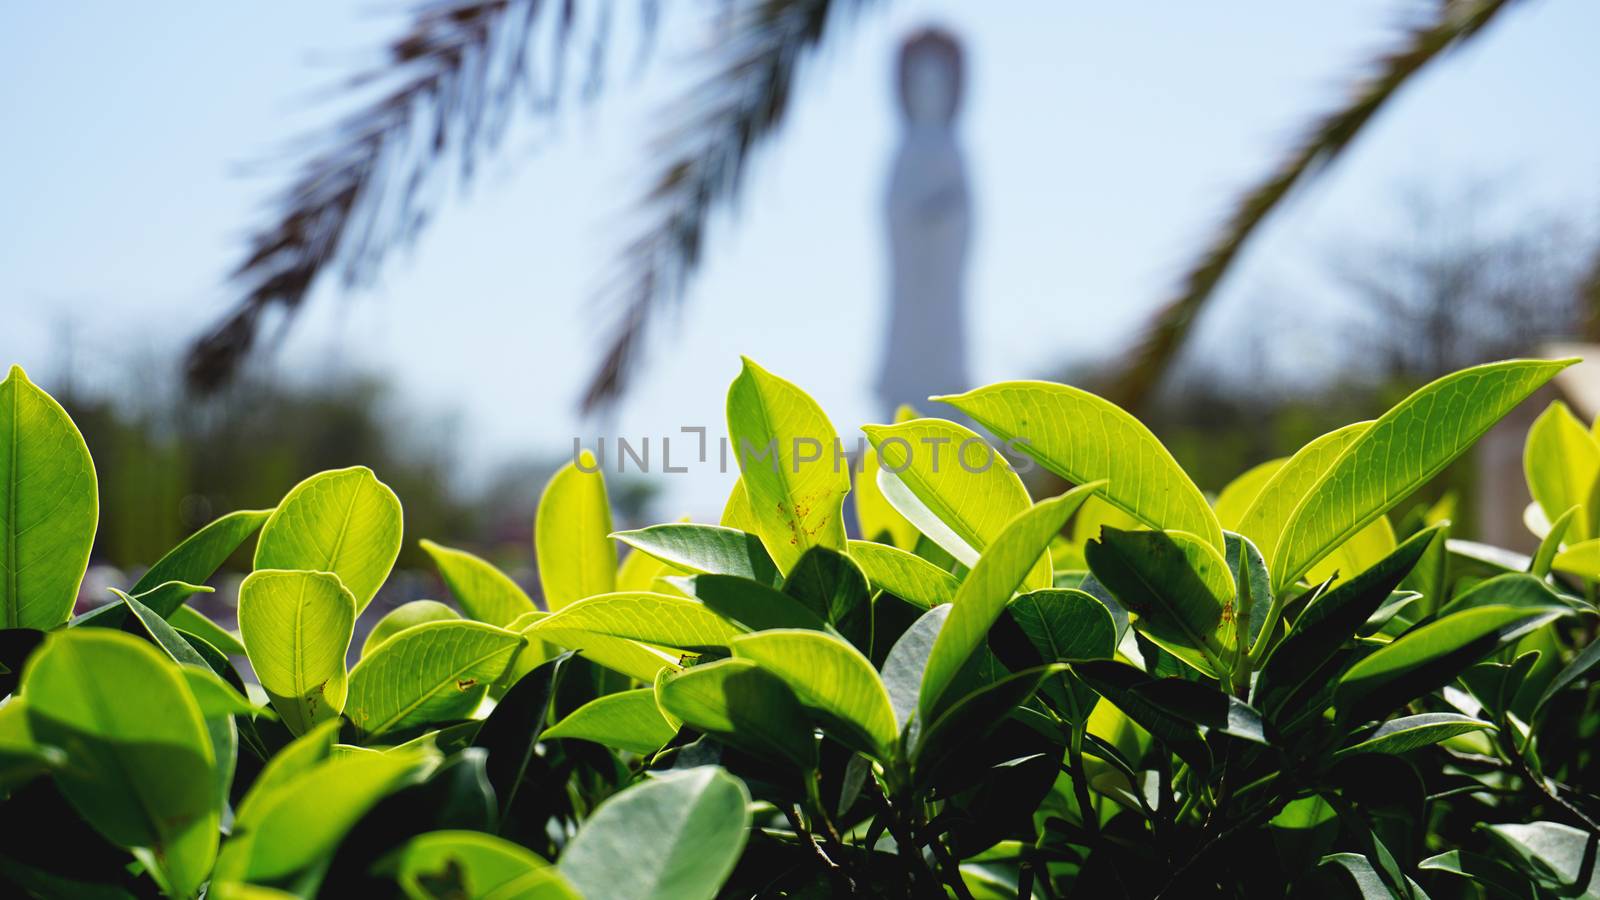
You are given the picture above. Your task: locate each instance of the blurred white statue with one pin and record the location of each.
(929, 217)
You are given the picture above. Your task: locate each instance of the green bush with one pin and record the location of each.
(1130, 689)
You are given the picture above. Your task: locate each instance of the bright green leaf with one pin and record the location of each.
(483, 591)
(139, 767)
(831, 678)
(785, 447)
(660, 619)
(1240, 494)
(404, 616)
(200, 555)
(1561, 461)
(1085, 438)
(434, 672)
(1412, 732)
(343, 521)
(1399, 453)
(296, 628)
(956, 478)
(49, 507)
(627, 720)
(571, 535)
(741, 704)
(987, 589)
(471, 865)
(705, 549)
(905, 575)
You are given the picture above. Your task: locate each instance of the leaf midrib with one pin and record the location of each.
(406, 710)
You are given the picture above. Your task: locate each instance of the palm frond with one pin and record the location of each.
(447, 87)
(1455, 22)
(704, 156)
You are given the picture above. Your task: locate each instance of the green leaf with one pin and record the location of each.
(199, 556)
(903, 574)
(626, 720)
(1428, 657)
(907, 661)
(404, 616)
(742, 705)
(1264, 520)
(483, 591)
(971, 718)
(1580, 559)
(1497, 878)
(833, 587)
(1554, 850)
(1053, 626)
(1511, 589)
(1085, 438)
(660, 619)
(434, 672)
(49, 507)
(705, 549)
(473, 866)
(343, 521)
(962, 493)
(631, 658)
(296, 814)
(296, 628)
(1582, 663)
(831, 678)
(1125, 687)
(1178, 586)
(876, 518)
(987, 589)
(1561, 461)
(571, 535)
(786, 447)
(697, 821)
(191, 620)
(1399, 453)
(1332, 619)
(513, 728)
(752, 604)
(1412, 732)
(1550, 545)
(1236, 499)
(736, 510)
(139, 763)
(143, 622)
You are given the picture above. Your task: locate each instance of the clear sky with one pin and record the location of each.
(1105, 140)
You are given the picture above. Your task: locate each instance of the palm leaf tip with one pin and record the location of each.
(1164, 336)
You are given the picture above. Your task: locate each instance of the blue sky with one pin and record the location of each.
(1105, 141)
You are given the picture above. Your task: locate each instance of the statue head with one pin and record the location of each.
(930, 76)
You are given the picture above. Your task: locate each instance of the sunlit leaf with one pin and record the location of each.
(343, 521)
(1399, 453)
(571, 535)
(831, 678)
(906, 575)
(987, 589)
(404, 616)
(743, 705)
(434, 672)
(199, 556)
(956, 477)
(1084, 438)
(139, 766)
(49, 507)
(627, 720)
(474, 866)
(660, 619)
(296, 628)
(483, 591)
(1412, 732)
(1561, 461)
(785, 447)
(1240, 494)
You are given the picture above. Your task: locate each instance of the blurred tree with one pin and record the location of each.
(448, 85)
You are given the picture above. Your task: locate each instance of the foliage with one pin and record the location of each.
(1300, 687)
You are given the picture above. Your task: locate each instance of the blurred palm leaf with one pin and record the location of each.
(446, 88)
(1454, 22)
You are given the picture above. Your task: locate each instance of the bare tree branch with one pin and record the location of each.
(1457, 21)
